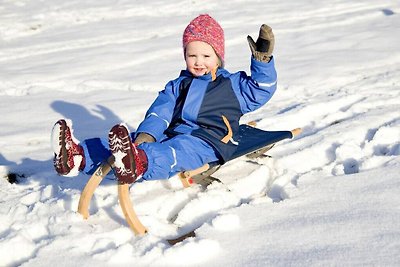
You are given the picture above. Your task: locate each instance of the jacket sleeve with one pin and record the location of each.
(256, 90)
(159, 115)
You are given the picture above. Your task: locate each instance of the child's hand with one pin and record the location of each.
(144, 138)
(262, 49)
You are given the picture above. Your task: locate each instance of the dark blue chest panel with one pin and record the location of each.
(217, 118)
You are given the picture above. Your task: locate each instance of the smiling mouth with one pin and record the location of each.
(199, 70)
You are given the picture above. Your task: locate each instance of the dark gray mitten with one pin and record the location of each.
(262, 49)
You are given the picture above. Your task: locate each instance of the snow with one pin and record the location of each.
(331, 196)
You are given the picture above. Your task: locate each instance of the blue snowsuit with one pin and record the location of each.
(195, 120)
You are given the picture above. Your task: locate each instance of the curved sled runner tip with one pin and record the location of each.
(123, 195)
(92, 184)
(127, 208)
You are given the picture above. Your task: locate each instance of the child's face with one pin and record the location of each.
(200, 58)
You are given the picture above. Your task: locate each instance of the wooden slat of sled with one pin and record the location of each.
(186, 176)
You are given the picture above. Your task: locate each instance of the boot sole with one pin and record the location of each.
(121, 147)
(63, 153)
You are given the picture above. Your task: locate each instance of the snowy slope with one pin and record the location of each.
(329, 197)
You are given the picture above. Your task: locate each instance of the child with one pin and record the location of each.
(193, 121)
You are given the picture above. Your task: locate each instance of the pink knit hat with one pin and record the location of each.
(206, 29)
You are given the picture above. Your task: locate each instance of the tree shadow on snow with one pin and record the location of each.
(87, 123)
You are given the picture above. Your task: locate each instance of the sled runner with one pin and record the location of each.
(253, 143)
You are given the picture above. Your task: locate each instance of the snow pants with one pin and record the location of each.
(165, 158)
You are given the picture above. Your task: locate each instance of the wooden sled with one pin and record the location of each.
(253, 142)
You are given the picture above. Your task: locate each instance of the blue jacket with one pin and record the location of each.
(210, 109)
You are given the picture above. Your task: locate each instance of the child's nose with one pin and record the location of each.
(198, 61)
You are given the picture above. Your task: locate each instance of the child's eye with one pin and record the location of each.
(206, 55)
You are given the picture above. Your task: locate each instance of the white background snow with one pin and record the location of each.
(329, 197)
